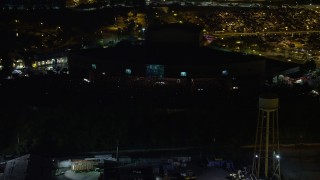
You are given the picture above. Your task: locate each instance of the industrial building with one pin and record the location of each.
(171, 52)
(141, 61)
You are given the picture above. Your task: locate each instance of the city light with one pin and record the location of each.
(161, 75)
(183, 74)
(86, 80)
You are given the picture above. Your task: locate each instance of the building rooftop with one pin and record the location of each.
(163, 55)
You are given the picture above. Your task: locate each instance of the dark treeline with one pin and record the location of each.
(50, 116)
(59, 116)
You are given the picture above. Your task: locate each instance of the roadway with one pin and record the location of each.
(70, 175)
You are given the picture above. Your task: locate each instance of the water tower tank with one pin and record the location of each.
(268, 102)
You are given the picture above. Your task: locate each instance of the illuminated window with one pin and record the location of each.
(93, 66)
(128, 71)
(155, 70)
(183, 74)
(225, 73)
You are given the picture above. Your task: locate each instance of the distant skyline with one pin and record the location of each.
(79, 2)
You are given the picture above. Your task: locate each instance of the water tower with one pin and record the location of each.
(266, 157)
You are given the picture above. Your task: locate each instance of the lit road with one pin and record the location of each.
(70, 175)
(263, 33)
(214, 173)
